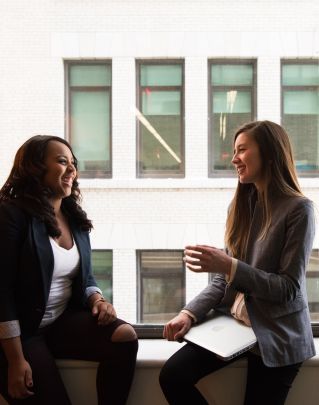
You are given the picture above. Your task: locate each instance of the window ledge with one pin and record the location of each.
(153, 353)
(169, 183)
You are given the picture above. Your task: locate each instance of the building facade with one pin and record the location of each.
(149, 94)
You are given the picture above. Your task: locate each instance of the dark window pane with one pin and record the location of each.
(102, 270)
(303, 132)
(162, 152)
(313, 285)
(162, 285)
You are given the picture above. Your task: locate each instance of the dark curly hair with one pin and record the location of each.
(24, 186)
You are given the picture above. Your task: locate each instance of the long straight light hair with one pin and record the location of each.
(279, 177)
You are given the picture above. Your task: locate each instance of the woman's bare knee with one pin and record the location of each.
(124, 333)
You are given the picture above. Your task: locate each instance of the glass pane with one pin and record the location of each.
(300, 75)
(162, 285)
(157, 261)
(162, 299)
(229, 75)
(90, 75)
(232, 101)
(161, 143)
(313, 285)
(301, 102)
(301, 120)
(161, 102)
(102, 270)
(161, 75)
(90, 129)
(224, 127)
(303, 131)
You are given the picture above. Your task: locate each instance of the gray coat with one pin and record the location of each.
(273, 281)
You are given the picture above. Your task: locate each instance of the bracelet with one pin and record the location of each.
(102, 299)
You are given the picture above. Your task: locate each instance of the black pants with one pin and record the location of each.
(265, 385)
(76, 335)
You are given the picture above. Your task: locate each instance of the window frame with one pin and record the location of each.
(213, 173)
(88, 174)
(139, 286)
(283, 62)
(139, 90)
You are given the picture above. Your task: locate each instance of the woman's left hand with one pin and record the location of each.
(202, 258)
(104, 311)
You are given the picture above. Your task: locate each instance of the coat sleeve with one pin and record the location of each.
(284, 283)
(13, 228)
(209, 298)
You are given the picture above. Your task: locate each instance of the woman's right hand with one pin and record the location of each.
(20, 379)
(177, 327)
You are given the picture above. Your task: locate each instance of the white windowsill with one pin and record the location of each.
(169, 183)
(154, 352)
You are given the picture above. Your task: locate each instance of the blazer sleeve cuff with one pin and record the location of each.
(230, 277)
(9, 329)
(92, 290)
(189, 313)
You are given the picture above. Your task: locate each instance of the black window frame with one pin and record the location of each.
(90, 174)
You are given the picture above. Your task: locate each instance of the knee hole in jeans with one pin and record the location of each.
(124, 333)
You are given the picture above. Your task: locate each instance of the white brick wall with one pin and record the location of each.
(129, 213)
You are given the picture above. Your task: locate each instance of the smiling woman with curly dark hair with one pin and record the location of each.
(50, 305)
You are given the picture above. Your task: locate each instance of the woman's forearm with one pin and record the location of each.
(13, 349)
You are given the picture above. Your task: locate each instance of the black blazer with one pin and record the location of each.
(26, 267)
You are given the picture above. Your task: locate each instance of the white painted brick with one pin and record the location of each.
(129, 213)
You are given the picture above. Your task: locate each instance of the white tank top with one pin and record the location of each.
(66, 266)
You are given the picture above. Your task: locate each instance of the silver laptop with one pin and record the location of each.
(222, 335)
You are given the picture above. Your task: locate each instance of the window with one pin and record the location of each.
(232, 102)
(161, 285)
(102, 270)
(88, 120)
(160, 114)
(313, 285)
(300, 112)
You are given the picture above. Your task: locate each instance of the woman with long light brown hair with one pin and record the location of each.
(259, 278)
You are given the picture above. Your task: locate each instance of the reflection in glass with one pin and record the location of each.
(232, 89)
(162, 285)
(89, 117)
(160, 129)
(102, 271)
(300, 118)
(313, 285)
